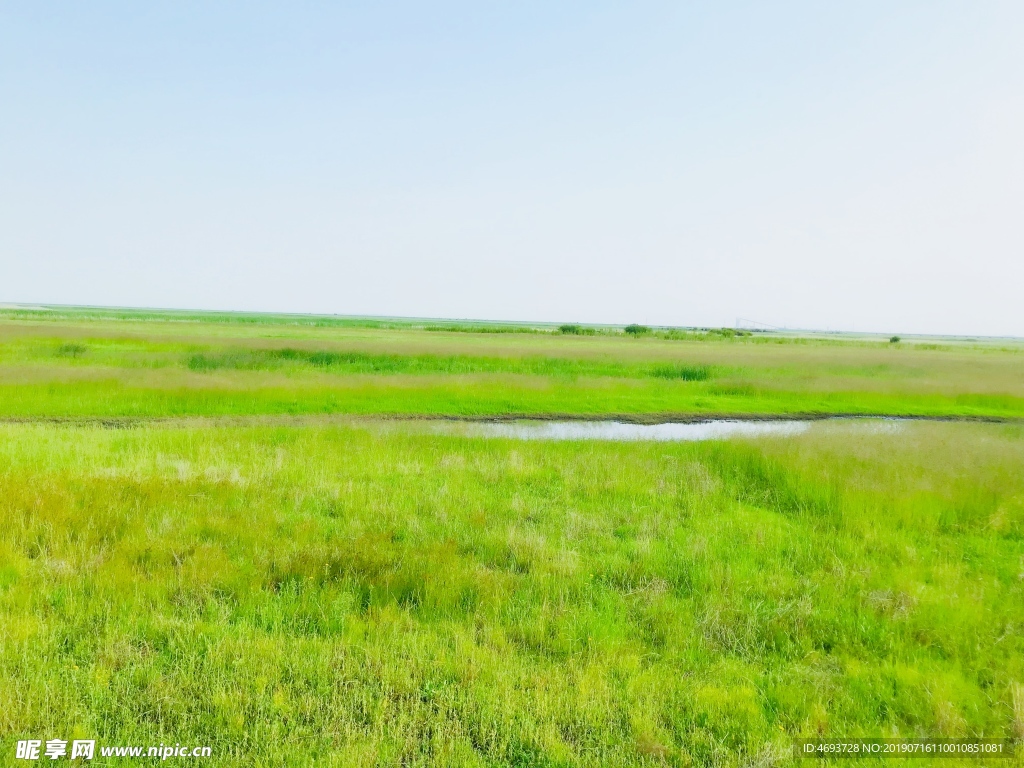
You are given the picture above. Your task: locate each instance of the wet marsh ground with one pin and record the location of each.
(351, 592)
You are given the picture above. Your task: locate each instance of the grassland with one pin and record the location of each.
(349, 591)
(97, 366)
(369, 597)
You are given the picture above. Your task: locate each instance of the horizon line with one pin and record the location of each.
(766, 329)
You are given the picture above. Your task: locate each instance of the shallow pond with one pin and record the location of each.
(716, 429)
(623, 431)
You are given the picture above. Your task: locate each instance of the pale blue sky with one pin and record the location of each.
(852, 166)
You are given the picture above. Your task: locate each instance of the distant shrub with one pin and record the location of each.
(675, 334)
(894, 340)
(71, 350)
(636, 330)
(683, 372)
(576, 330)
(728, 333)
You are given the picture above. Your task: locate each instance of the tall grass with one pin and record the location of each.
(366, 363)
(362, 596)
(683, 372)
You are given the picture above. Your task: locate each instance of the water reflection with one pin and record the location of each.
(623, 431)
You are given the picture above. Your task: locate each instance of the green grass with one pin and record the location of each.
(334, 590)
(150, 365)
(291, 359)
(367, 596)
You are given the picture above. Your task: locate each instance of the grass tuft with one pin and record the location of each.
(71, 350)
(682, 372)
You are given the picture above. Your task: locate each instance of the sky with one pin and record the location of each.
(837, 166)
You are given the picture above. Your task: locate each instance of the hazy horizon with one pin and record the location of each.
(744, 324)
(806, 167)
